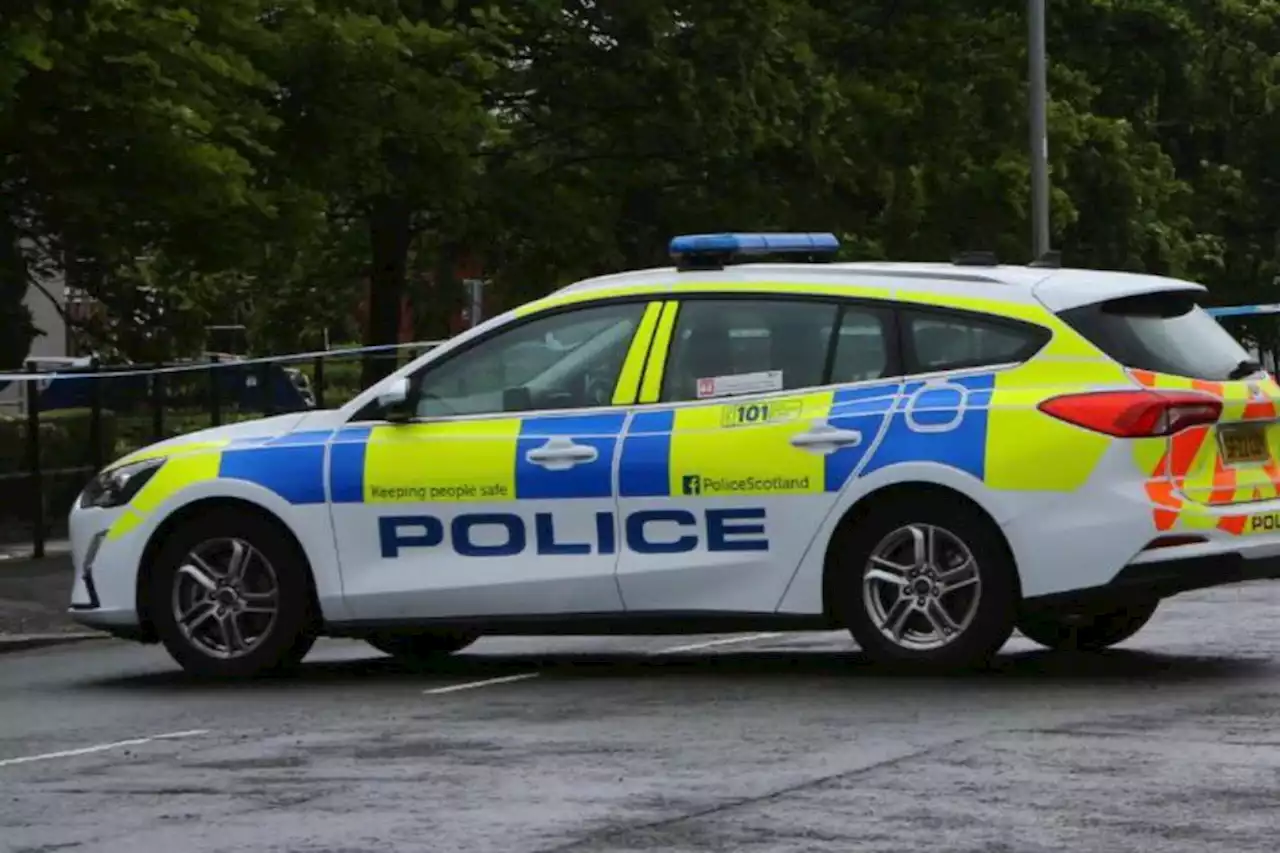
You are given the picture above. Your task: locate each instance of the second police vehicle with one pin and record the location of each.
(928, 455)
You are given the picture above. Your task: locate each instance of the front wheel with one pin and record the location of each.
(926, 582)
(230, 596)
(1087, 631)
(420, 647)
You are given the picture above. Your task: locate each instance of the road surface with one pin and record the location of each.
(720, 743)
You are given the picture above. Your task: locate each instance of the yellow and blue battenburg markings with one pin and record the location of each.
(689, 452)
(482, 460)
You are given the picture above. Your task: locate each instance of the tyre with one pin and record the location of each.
(926, 582)
(420, 647)
(1092, 630)
(230, 596)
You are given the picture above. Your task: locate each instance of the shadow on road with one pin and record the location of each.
(779, 668)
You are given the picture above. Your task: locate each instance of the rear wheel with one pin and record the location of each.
(1087, 630)
(926, 582)
(230, 596)
(421, 647)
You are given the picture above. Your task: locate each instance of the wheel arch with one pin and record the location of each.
(878, 497)
(186, 514)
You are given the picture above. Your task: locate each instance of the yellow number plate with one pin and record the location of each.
(1245, 443)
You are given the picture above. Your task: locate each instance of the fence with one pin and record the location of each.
(73, 422)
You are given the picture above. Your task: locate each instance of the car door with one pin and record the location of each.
(497, 497)
(746, 431)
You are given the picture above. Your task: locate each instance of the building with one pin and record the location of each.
(51, 341)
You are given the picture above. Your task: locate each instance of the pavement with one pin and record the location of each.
(33, 600)
(759, 742)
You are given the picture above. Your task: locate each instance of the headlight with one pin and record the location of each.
(118, 486)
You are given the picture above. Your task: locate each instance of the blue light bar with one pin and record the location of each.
(1243, 310)
(753, 244)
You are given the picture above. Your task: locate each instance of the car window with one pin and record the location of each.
(862, 347)
(569, 360)
(940, 341)
(723, 347)
(1163, 332)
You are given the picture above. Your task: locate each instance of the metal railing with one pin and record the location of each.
(115, 411)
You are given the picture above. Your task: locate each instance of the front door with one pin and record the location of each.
(765, 408)
(498, 498)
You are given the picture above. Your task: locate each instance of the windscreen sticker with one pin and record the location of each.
(773, 411)
(740, 383)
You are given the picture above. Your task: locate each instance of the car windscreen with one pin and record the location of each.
(1164, 332)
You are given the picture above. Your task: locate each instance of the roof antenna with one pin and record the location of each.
(1050, 260)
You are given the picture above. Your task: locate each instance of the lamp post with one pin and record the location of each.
(1038, 95)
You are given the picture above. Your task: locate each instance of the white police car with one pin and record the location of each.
(926, 454)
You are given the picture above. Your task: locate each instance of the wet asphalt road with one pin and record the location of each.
(791, 743)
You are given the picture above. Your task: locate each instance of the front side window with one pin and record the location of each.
(723, 347)
(568, 360)
(941, 341)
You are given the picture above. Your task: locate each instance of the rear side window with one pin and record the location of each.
(944, 341)
(1163, 332)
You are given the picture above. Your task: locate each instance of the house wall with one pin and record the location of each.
(50, 341)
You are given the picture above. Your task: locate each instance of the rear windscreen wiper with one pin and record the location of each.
(1248, 367)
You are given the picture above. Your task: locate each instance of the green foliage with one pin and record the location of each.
(66, 457)
(280, 163)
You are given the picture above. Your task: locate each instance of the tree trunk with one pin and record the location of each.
(389, 230)
(16, 330)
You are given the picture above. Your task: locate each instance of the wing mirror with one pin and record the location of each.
(396, 401)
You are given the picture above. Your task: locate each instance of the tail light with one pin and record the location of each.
(1135, 414)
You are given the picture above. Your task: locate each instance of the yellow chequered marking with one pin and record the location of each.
(180, 472)
(656, 365)
(633, 367)
(757, 459)
(457, 461)
(159, 453)
(1028, 450)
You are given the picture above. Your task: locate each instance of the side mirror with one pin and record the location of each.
(518, 399)
(395, 401)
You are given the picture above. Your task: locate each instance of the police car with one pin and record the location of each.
(925, 454)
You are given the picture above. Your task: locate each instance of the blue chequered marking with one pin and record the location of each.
(294, 472)
(346, 465)
(645, 468)
(585, 479)
(945, 425)
(863, 409)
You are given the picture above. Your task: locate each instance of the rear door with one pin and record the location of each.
(1170, 343)
(759, 413)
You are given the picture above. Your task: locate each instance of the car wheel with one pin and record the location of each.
(230, 596)
(1087, 630)
(926, 582)
(420, 647)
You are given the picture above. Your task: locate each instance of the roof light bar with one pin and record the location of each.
(713, 251)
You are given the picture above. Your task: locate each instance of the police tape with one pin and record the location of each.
(87, 373)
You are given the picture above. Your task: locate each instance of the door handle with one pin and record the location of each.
(824, 438)
(561, 454)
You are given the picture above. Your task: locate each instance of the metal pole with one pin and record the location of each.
(1038, 92)
(33, 462)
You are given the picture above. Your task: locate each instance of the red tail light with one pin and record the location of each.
(1135, 414)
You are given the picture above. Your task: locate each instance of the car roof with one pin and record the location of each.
(1056, 289)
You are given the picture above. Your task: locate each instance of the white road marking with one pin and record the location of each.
(102, 747)
(724, 641)
(471, 685)
(524, 676)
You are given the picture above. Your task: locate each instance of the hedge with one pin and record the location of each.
(65, 443)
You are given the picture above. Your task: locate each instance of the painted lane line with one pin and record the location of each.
(102, 747)
(472, 685)
(710, 644)
(524, 676)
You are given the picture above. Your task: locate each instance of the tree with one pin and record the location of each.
(130, 131)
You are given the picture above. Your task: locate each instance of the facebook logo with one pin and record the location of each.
(691, 484)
